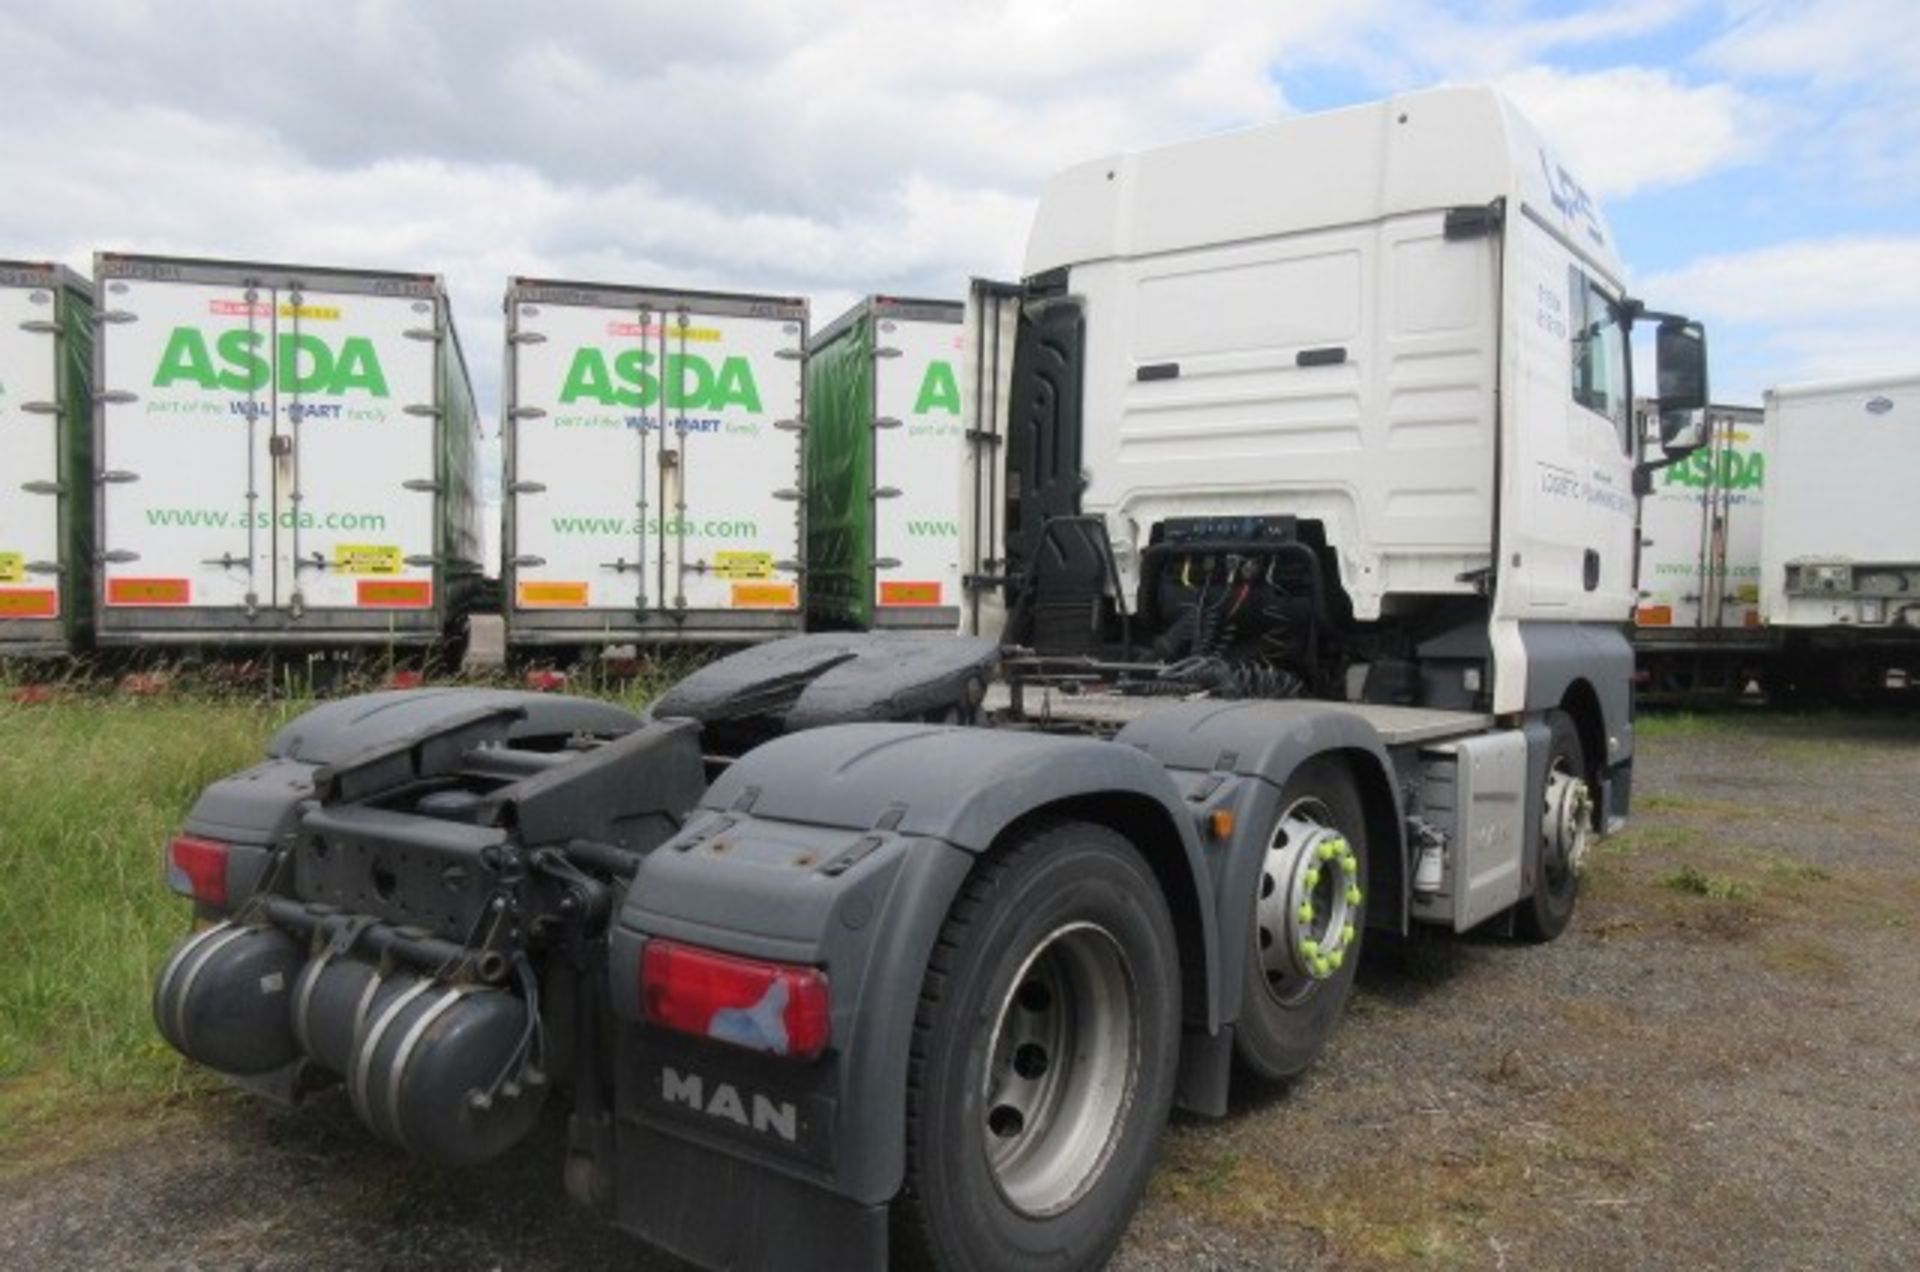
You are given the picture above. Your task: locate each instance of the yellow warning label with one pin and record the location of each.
(367, 558)
(743, 565)
(765, 595)
(13, 568)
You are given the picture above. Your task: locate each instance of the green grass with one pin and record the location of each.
(92, 784)
(1699, 883)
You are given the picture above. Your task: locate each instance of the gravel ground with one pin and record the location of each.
(1718, 1066)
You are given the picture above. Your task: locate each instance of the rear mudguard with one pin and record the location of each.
(844, 848)
(258, 808)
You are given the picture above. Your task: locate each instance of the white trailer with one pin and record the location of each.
(1697, 626)
(1840, 539)
(46, 477)
(285, 454)
(884, 448)
(653, 465)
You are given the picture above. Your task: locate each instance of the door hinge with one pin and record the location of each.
(886, 492)
(115, 397)
(886, 563)
(43, 488)
(45, 567)
(527, 488)
(422, 409)
(113, 476)
(527, 562)
(119, 556)
(527, 337)
(41, 326)
(423, 333)
(103, 316)
(526, 413)
(790, 426)
(887, 421)
(792, 355)
(421, 485)
(280, 444)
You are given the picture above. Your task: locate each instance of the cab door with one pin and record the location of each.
(1567, 521)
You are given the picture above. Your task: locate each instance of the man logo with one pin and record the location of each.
(724, 1101)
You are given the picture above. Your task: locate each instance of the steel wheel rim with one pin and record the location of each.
(1062, 1065)
(1567, 825)
(1296, 948)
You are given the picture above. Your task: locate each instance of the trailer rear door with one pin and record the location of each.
(917, 456)
(354, 472)
(186, 376)
(29, 454)
(655, 457)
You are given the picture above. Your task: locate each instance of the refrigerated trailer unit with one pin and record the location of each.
(1840, 540)
(653, 465)
(1697, 625)
(46, 470)
(884, 450)
(1305, 496)
(286, 456)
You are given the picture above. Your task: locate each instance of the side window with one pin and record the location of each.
(1599, 348)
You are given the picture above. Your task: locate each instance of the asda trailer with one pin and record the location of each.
(1697, 626)
(883, 457)
(46, 471)
(1840, 540)
(1310, 466)
(286, 457)
(653, 451)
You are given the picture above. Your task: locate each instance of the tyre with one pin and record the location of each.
(1303, 942)
(1566, 830)
(1044, 1057)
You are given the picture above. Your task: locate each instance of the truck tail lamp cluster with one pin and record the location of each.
(197, 868)
(777, 1008)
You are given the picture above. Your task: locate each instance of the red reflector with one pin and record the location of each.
(197, 868)
(772, 1007)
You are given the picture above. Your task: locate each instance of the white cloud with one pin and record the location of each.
(1633, 128)
(1814, 309)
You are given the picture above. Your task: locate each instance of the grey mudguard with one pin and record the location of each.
(1236, 756)
(257, 806)
(338, 731)
(844, 847)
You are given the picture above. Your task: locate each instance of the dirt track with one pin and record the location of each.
(1719, 1066)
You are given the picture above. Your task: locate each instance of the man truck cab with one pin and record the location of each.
(1299, 538)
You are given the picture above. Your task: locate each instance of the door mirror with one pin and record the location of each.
(1680, 361)
(1682, 432)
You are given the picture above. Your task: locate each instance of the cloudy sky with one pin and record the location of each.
(1760, 159)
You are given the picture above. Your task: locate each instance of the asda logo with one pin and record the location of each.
(689, 381)
(244, 361)
(1730, 470)
(939, 391)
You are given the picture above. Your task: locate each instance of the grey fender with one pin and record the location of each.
(846, 846)
(1566, 659)
(259, 806)
(1238, 756)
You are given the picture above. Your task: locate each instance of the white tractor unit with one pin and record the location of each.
(1297, 535)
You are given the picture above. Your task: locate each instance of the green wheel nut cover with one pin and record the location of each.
(1353, 894)
(1347, 934)
(1321, 967)
(1327, 850)
(1306, 912)
(1313, 876)
(1310, 947)
(1333, 959)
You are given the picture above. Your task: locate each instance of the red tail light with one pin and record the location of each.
(777, 1008)
(197, 868)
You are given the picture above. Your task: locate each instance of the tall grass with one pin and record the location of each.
(91, 785)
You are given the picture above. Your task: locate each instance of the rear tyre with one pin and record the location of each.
(1566, 830)
(1044, 1056)
(1303, 940)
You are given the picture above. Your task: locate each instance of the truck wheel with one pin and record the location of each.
(1566, 829)
(1044, 1055)
(1303, 943)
